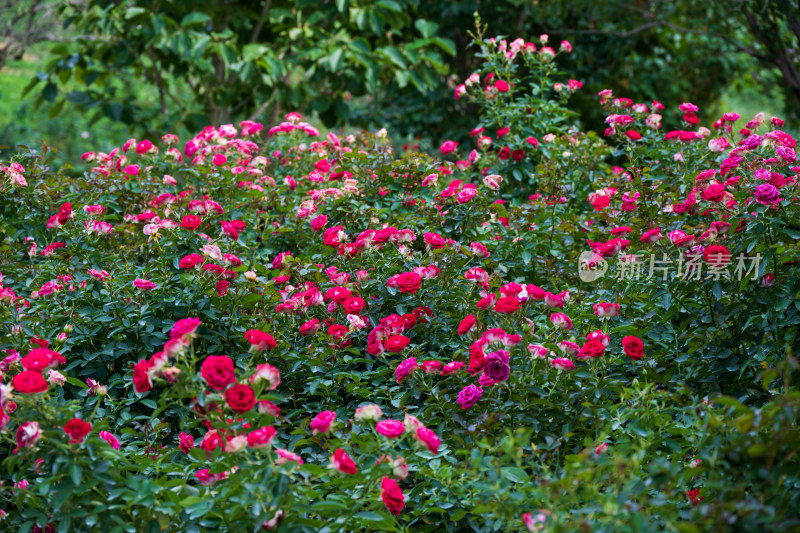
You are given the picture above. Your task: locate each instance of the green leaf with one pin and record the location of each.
(194, 18)
(335, 59)
(132, 12)
(76, 474)
(445, 44)
(426, 28)
(191, 500)
(50, 92)
(253, 51)
(394, 55)
(390, 5)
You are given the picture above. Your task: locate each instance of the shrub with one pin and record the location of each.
(270, 330)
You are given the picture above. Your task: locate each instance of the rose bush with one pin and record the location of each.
(279, 330)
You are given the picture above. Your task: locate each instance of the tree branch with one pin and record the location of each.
(261, 19)
(159, 84)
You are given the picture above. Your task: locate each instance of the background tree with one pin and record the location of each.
(181, 65)
(219, 61)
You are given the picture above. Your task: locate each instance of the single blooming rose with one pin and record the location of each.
(261, 438)
(110, 439)
(369, 412)
(144, 285)
(431, 367)
(390, 428)
(467, 325)
(560, 320)
(29, 382)
(396, 343)
(469, 396)
(285, 456)
(717, 255)
(392, 496)
(408, 282)
(563, 364)
(218, 371)
(343, 463)
(592, 348)
(633, 346)
(507, 305)
(260, 340)
(269, 374)
(186, 442)
(429, 439)
(405, 368)
(448, 147)
(322, 422)
(240, 398)
(27, 435)
(497, 367)
(77, 430)
(603, 310)
(206, 478)
(141, 376)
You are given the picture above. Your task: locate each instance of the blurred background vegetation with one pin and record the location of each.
(87, 74)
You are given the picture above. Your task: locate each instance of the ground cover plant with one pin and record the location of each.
(266, 328)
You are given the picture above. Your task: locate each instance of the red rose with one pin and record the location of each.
(353, 305)
(29, 382)
(337, 294)
(396, 343)
(477, 359)
(593, 348)
(409, 320)
(717, 255)
(260, 340)
(506, 305)
(434, 240)
(600, 203)
(408, 282)
(504, 153)
(218, 372)
(392, 496)
(518, 155)
(633, 346)
(343, 462)
(429, 439)
(77, 430)
(141, 376)
(42, 343)
(191, 222)
(633, 135)
(466, 325)
(338, 331)
(240, 398)
(40, 358)
(191, 261)
(714, 192)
